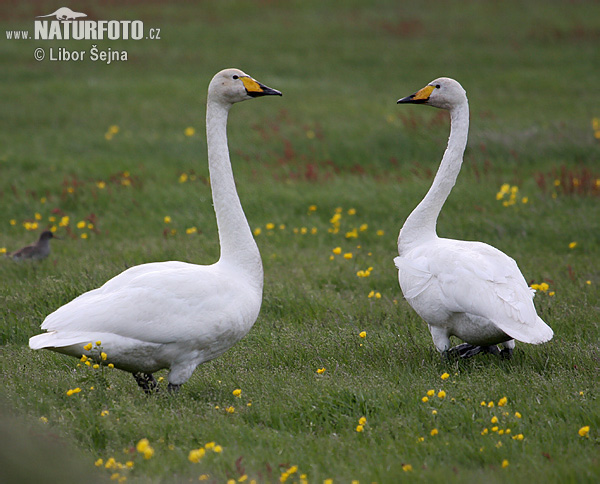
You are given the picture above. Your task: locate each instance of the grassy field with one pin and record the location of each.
(106, 152)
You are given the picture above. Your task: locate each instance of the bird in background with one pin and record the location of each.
(174, 314)
(37, 251)
(470, 290)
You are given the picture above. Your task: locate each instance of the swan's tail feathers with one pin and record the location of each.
(53, 339)
(545, 332)
(535, 334)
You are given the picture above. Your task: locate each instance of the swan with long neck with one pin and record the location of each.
(174, 314)
(466, 289)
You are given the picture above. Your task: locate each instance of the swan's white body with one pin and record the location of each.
(174, 314)
(466, 289)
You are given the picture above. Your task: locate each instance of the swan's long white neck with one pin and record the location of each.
(237, 244)
(420, 224)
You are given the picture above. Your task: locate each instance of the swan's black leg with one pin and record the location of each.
(146, 382)
(506, 353)
(173, 389)
(464, 350)
(467, 350)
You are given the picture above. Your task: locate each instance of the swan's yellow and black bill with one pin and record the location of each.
(419, 97)
(255, 88)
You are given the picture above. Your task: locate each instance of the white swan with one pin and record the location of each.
(174, 314)
(466, 289)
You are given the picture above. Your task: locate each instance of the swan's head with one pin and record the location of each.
(232, 85)
(442, 93)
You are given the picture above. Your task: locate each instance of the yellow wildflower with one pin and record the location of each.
(359, 428)
(504, 464)
(503, 401)
(237, 393)
(195, 455)
(142, 445)
(425, 399)
(270, 226)
(189, 131)
(433, 432)
(407, 467)
(312, 208)
(321, 370)
(218, 449)
(362, 334)
(494, 420)
(257, 231)
(584, 431)
(230, 409)
(337, 251)
(167, 219)
(99, 463)
(352, 211)
(441, 394)
(445, 376)
(103, 355)
(572, 245)
(348, 255)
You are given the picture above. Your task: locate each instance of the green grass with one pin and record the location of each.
(335, 139)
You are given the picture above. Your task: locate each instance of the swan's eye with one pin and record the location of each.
(437, 86)
(236, 77)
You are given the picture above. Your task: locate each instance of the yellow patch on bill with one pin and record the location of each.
(423, 94)
(251, 85)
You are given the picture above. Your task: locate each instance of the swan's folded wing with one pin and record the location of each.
(480, 280)
(163, 304)
(414, 276)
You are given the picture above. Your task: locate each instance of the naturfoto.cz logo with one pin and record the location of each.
(66, 24)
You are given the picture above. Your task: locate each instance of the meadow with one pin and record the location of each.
(338, 381)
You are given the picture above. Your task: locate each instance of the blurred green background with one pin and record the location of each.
(117, 148)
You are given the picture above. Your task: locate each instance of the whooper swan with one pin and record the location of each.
(174, 314)
(466, 289)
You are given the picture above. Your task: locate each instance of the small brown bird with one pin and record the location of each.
(39, 250)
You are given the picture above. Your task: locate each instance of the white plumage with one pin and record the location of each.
(174, 314)
(466, 289)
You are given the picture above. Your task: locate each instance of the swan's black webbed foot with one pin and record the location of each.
(146, 382)
(467, 350)
(173, 389)
(506, 353)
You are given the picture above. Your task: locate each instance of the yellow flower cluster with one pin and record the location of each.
(144, 448)
(362, 421)
(195, 455)
(290, 471)
(508, 195)
(596, 127)
(374, 294)
(320, 371)
(111, 132)
(540, 287)
(365, 273)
